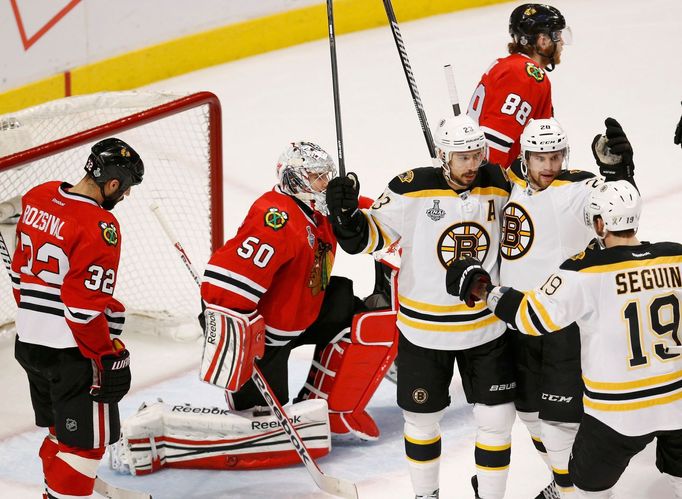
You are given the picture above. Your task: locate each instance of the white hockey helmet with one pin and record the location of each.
(299, 166)
(458, 134)
(543, 135)
(618, 204)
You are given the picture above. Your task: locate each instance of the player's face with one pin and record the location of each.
(319, 180)
(464, 166)
(543, 167)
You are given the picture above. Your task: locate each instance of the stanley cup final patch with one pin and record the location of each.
(435, 213)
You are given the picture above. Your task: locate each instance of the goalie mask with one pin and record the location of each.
(458, 134)
(543, 136)
(303, 170)
(617, 203)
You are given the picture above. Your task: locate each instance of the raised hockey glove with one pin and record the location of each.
(678, 132)
(342, 199)
(613, 152)
(467, 279)
(111, 376)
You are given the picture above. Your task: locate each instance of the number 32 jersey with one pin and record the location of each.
(512, 91)
(64, 271)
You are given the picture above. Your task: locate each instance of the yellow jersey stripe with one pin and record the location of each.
(630, 406)
(490, 191)
(525, 320)
(447, 328)
(632, 264)
(490, 468)
(543, 312)
(493, 447)
(422, 462)
(432, 193)
(625, 385)
(429, 307)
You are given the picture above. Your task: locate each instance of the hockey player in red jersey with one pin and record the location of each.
(516, 88)
(279, 266)
(63, 275)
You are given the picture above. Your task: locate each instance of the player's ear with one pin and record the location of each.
(112, 186)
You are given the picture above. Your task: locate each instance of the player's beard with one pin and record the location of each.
(465, 180)
(108, 203)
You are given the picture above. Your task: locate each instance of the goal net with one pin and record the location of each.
(179, 139)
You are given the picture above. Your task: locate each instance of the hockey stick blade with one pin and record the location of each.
(112, 492)
(331, 485)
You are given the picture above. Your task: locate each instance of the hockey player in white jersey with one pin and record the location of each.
(441, 215)
(625, 297)
(543, 226)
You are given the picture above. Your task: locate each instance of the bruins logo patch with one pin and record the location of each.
(535, 72)
(109, 233)
(406, 177)
(517, 232)
(462, 240)
(276, 219)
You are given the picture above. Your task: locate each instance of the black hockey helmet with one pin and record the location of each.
(531, 19)
(114, 159)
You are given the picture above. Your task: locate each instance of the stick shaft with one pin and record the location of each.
(335, 87)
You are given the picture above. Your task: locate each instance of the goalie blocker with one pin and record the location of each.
(232, 342)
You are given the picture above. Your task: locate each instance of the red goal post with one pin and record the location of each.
(179, 138)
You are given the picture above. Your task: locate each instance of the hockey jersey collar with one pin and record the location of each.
(308, 212)
(63, 191)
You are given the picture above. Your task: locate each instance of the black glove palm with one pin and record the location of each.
(342, 199)
(113, 378)
(613, 152)
(466, 279)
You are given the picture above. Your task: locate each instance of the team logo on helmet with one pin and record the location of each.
(276, 219)
(406, 177)
(529, 11)
(109, 233)
(535, 72)
(517, 232)
(461, 240)
(125, 152)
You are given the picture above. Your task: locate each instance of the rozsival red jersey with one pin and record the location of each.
(279, 263)
(64, 271)
(511, 92)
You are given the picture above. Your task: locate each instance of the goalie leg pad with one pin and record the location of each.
(347, 373)
(183, 436)
(232, 342)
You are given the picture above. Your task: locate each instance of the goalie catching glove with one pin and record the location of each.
(467, 279)
(232, 343)
(613, 152)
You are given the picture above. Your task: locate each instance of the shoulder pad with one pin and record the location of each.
(492, 175)
(574, 176)
(418, 179)
(594, 256)
(274, 209)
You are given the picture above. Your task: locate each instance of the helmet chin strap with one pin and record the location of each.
(108, 202)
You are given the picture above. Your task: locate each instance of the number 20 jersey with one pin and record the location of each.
(437, 225)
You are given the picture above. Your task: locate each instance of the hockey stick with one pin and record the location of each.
(335, 87)
(452, 89)
(6, 257)
(412, 84)
(331, 485)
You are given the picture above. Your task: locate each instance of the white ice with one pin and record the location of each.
(624, 63)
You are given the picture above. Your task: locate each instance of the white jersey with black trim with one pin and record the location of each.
(626, 302)
(541, 229)
(436, 225)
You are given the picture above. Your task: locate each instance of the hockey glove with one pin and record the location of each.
(467, 280)
(111, 376)
(342, 199)
(613, 152)
(678, 132)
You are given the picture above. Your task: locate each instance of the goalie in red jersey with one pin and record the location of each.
(516, 88)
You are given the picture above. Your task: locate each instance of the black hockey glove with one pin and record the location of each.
(466, 279)
(613, 152)
(342, 199)
(678, 132)
(112, 381)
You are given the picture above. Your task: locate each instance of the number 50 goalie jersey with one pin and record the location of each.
(626, 301)
(437, 225)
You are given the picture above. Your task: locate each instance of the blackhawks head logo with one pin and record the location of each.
(109, 233)
(535, 72)
(276, 219)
